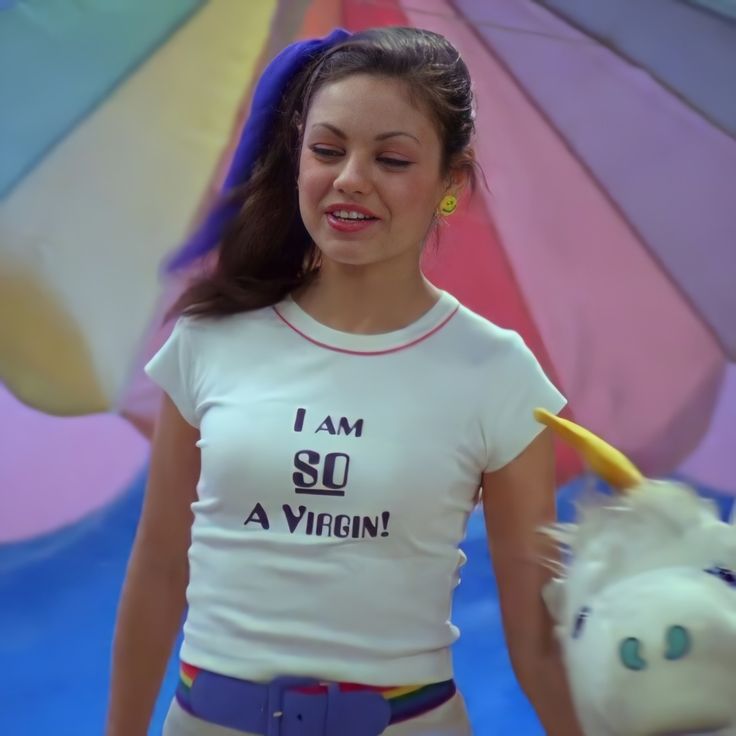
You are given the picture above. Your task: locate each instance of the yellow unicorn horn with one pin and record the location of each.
(610, 464)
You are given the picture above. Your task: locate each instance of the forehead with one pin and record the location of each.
(371, 104)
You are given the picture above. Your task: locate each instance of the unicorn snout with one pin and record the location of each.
(655, 654)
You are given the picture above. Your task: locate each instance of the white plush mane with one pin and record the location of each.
(656, 524)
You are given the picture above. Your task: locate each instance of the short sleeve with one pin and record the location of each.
(519, 386)
(172, 368)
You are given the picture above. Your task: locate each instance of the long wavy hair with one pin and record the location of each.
(266, 252)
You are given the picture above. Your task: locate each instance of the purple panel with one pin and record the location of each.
(714, 462)
(653, 34)
(671, 173)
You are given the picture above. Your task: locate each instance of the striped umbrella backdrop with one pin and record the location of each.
(605, 236)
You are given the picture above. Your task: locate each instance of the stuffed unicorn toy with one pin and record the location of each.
(645, 603)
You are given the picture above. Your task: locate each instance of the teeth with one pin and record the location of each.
(349, 215)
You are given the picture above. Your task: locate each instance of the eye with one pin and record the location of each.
(580, 620)
(325, 152)
(723, 573)
(396, 163)
(630, 653)
(678, 642)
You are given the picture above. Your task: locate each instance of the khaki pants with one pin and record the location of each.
(449, 719)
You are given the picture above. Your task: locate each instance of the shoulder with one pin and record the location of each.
(489, 341)
(213, 329)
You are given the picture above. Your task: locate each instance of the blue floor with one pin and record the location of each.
(58, 597)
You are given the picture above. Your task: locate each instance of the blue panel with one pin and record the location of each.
(727, 8)
(58, 60)
(688, 48)
(59, 596)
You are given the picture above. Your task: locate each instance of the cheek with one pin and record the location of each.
(416, 202)
(313, 182)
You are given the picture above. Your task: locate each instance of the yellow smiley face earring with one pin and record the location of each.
(448, 204)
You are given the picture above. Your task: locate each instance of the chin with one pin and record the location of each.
(350, 254)
(347, 259)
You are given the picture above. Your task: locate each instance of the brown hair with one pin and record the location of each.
(266, 252)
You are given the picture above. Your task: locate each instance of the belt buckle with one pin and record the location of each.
(330, 713)
(275, 700)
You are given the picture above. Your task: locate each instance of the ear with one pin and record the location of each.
(462, 173)
(458, 180)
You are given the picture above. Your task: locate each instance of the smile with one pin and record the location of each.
(349, 218)
(349, 224)
(350, 215)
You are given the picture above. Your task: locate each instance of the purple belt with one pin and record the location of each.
(299, 706)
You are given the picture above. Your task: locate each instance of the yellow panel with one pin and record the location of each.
(52, 345)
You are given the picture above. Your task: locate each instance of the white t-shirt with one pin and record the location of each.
(338, 473)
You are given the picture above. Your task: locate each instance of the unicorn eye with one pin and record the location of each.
(630, 652)
(580, 620)
(678, 642)
(723, 573)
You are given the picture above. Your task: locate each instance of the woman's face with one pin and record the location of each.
(369, 172)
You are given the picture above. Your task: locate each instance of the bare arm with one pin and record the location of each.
(153, 597)
(517, 500)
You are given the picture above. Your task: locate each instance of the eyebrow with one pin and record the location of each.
(380, 137)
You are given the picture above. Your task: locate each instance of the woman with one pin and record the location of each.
(329, 419)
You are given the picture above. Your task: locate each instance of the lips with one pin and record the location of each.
(334, 209)
(349, 226)
(339, 217)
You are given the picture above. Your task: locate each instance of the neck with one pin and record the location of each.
(366, 301)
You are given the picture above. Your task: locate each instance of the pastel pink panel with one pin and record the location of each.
(637, 365)
(54, 471)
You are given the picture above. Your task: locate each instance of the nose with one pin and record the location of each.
(353, 177)
(676, 644)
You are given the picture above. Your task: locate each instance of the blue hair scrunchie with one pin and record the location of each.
(264, 108)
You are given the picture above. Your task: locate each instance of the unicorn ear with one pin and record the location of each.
(610, 464)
